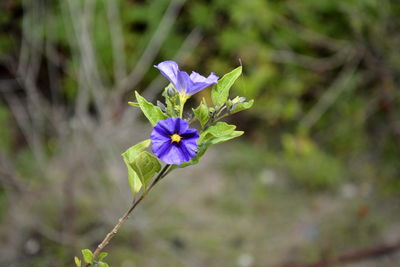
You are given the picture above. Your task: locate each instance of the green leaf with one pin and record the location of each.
(87, 256)
(102, 255)
(133, 151)
(78, 262)
(102, 264)
(134, 104)
(217, 130)
(217, 140)
(220, 92)
(242, 106)
(201, 113)
(152, 112)
(145, 165)
(129, 156)
(218, 133)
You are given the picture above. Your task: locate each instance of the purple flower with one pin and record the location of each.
(173, 141)
(182, 81)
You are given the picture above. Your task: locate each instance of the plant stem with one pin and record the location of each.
(122, 220)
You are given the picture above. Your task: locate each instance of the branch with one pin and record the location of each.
(123, 219)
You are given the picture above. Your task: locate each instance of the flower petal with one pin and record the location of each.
(161, 149)
(200, 82)
(174, 152)
(181, 126)
(189, 148)
(190, 134)
(184, 82)
(170, 70)
(160, 131)
(174, 155)
(168, 125)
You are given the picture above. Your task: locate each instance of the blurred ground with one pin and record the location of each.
(315, 178)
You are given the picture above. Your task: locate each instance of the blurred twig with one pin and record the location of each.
(90, 77)
(151, 50)
(315, 64)
(125, 217)
(340, 84)
(117, 40)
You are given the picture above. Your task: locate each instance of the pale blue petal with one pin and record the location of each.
(170, 70)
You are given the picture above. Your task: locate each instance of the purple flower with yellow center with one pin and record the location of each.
(188, 85)
(173, 141)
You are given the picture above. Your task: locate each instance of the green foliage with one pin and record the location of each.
(235, 108)
(87, 256)
(220, 129)
(220, 91)
(134, 104)
(152, 113)
(88, 259)
(102, 255)
(78, 262)
(102, 264)
(129, 157)
(201, 113)
(145, 165)
(218, 133)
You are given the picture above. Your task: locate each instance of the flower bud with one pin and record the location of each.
(171, 91)
(161, 105)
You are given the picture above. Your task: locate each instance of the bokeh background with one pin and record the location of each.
(315, 181)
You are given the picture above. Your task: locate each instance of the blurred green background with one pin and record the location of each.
(315, 177)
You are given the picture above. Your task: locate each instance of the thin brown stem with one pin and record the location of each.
(123, 219)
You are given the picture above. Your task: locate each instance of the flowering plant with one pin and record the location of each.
(172, 140)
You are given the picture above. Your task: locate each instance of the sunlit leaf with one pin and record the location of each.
(201, 113)
(87, 256)
(152, 112)
(102, 264)
(78, 262)
(241, 106)
(146, 165)
(134, 104)
(129, 156)
(220, 92)
(102, 255)
(218, 133)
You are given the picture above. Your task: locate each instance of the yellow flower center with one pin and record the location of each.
(175, 138)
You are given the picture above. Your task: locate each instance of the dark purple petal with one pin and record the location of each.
(173, 155)
(174, 152)
(160, 149)
(160, 131)
(186, 154)
(188, 148)
(167, 125)
(190, 134)
(170, 70)
(181, 126)
(155, 137)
